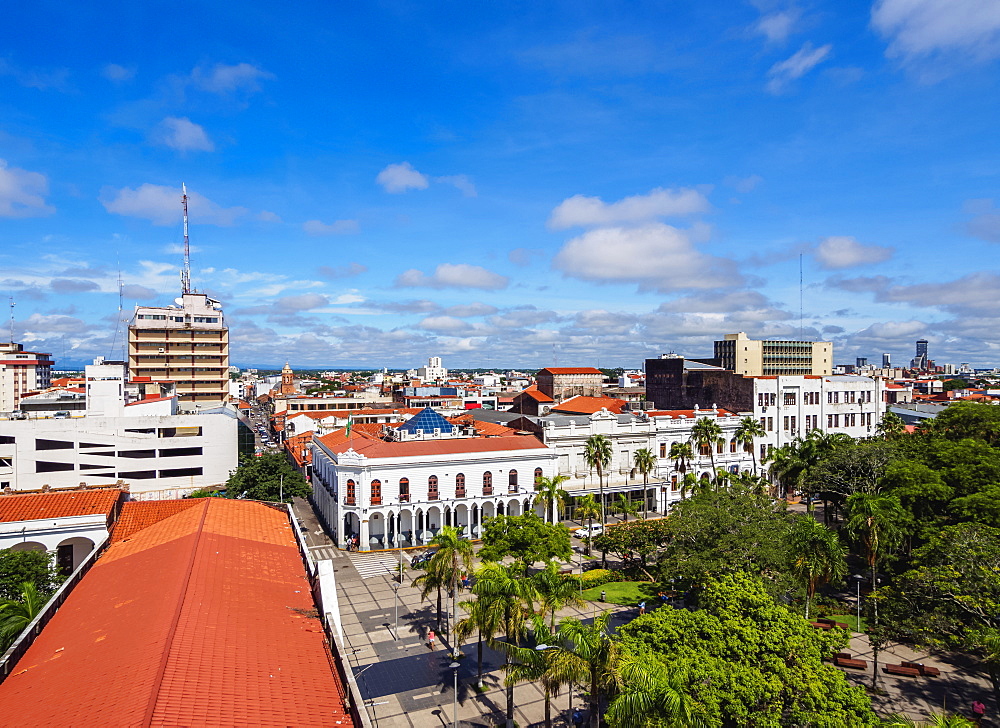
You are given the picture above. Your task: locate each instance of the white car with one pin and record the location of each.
(592, 531)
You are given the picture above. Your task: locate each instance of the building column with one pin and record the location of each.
(363, 544)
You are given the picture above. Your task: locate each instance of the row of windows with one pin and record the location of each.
(766, 399)
(433, 492)
(178, 319)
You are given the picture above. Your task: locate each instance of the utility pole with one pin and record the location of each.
(186, 270)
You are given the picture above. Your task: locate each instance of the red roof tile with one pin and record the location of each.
(571, 370)
(589, 405)
(34, 506)
(138, 515)
(375, 448)
(689, 413)
(203, 619)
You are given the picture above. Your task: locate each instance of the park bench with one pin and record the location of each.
(832, 624)
(925, 670)
(821, 625)
(850, 662)
(901, 670)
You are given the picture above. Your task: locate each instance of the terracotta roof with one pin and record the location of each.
(589, 405)
(35, 506)
(137, 515)
(689, 413)
(571, 370)
(537, 394)
(204, 618)
(298, 448)
(375, 448)
(487, 429)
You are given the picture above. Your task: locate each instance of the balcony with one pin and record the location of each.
(487, 490)
(512, 489)
(404, 497)
(376, 500)
(460, 492)
(433, 495)
(349, 500)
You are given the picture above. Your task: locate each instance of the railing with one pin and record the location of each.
(349, 500)
(512, 489)
(376, 500)
(487, 490)
(432, 495)
(460, 492)
(404, 497)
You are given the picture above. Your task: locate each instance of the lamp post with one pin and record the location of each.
(569, 690)
(858, 579)
(454, 702)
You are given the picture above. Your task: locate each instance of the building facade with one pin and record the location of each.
(561, 383)
(187, 343)
(21, 372)
(742, 355)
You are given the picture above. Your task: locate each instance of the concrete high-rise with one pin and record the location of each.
(187, 343)
(742, 355)
(21, 372)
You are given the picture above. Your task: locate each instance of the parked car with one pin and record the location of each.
(420, 560)
(591, 531)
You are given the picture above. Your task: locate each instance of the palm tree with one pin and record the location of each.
(508, 596)
(597, 453)
(626, 507)
(682, 454)
(645, 463)
(16, 614)
(433, 579)
(588, 508)
(890, 426)
(453, 558)
(483, 619)
(689, 482)
(652, 694)
(785, 468)
(551, 494)
(746, 435)
(706, 433)
(817, 556)
(555, 591)
(599, 654)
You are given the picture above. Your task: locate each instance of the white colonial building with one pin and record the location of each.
(396, 485)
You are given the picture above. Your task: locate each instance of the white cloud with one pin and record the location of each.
(117, 73)
(469, 310)
(22, 193)
(268, 216)
(920, 28)
(986, 221)
(397, 178)
(345, 271)
(452, 275)
(448, 325)
(841, 251)
(302, 302)
(182, 134)
(743, 185)
(337, 227)
(461, 182)
(161, 205)
(776, 27)
(798, 65)
(654, 256)
(223, 78)
(583, 211)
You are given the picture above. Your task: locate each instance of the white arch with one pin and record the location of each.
(28, 546)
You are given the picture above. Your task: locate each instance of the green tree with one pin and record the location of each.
(551, 495)
(452, 559)
(890, 427)
(785, 468)
(639, 538)
(875, 520)
(681, 454)
(36, 567)
(16, 614)
(652, 694)
(746, 435)
(644, 461)
(624, 505)
(527, 538)
(817, 555)
(555, 590)
(749, 661)
(588, 509)
(597, 454)
(482, 619)
(706, 434)
(963, 420)
(432, 581)
(597, 652)
(267, 478)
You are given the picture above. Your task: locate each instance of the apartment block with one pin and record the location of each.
(21, 372)
(742, 355)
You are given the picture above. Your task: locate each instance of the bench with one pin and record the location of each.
(925, 670)
(901, 670)
(830, 623)
(850, 662)
(821, 625)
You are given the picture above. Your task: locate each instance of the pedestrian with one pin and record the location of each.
(978, 711)
(577, 718)
(430, 639)
(465, 581)
(642, 607)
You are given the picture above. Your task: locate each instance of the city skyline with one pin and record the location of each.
(376, 185)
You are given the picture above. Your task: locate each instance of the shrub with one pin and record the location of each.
(597, 577)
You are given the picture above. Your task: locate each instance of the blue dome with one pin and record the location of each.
(426, 420)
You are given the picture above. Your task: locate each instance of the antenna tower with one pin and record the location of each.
(186, 271)
(800, 297)
(10, 299)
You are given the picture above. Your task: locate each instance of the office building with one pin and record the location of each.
(742, 355)
(21, 372)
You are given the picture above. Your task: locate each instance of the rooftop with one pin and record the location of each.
(35, 506)
(571, 370)
(589, 405)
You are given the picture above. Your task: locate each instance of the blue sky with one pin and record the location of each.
(507, 184)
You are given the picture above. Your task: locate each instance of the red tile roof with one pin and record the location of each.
(537, 394)
(203, 619)
(689, 413)
(298, 448)
(571, 370)
(589, 405)
(139, 515)
(35, 506)
(375, 448)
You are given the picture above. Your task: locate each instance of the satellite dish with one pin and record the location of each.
(179, 301)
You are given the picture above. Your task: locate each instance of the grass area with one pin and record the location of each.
(851, 620)
(626, 593)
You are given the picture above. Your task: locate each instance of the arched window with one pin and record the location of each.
(705, 449)
(432, 488)
(720, 445)
(460, 485)
(512, 481)
(538, 474)
(350, 492)
(487, 483)
(376, 492)
(404, 490)
(663, 449)
(732, 445)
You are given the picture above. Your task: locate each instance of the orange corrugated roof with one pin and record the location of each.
(375, 448)
(204, 618)
(537, 395)
(138, 515)
(298, 448)
(590, 405)
(34, 506)
(688, 413)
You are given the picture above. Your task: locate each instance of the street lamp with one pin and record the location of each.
(454, 702)
(858, 579)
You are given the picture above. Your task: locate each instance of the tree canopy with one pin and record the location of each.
(266, 478)
(35, 567)
(527, 538)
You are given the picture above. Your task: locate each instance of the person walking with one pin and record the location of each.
(642, 608)
(430, 639)
(978, 711)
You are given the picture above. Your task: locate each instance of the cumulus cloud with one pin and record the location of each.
(182, 134)
(470, 310)
(523, 316)
(447, 325)
(838, 252)
(743, 185)
(743, 305)
(460, 182)
(268, 216)
(453, 275)
(583, 211)
(776, 27)
(38, 323)
(22, 193)
(343, 271)
(70, 285)
(974, 294)
(222, 78)
(117, 73)
(654, 256)
(804, 60)
(337, 227)
(985, 223)
(421, 306)
(302, 302)
(397, 178)
(161, 205)
(919, 29)
(138, 293)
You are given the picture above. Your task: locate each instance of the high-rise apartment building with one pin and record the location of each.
(920, 361)
(749, 357)
(187, 343)
(21, 372)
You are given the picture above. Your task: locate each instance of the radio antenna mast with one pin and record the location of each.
(186, 271)
(11, 301)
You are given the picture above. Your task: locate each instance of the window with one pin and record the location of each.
(180, 432)
(6, 440)
(178, 452)
(432, 488)
(350, 492)
(793, 429)
(487, 483)
(773, 398)
(760, 399)
(829, 397)
(538, 474)
(673, 482)
(41, 444)
(836, 397)
(763, 451)
(789, 398)
(404, 490)
(376, 492)
(770, 424)
(719, 446)
(41, 466)
(849, 397)
(763, 423)
(460, 484)
(141, 430)
(663, 449)
(6, 462)
(829, 421)
(137, 453)
(785, 428)
(705, 450)
(143, 474)
(512, 481)
(180, 472)
(732, 445)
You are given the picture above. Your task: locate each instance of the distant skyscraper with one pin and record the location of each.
(886, 361)
(920, 360)
(862, 361)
